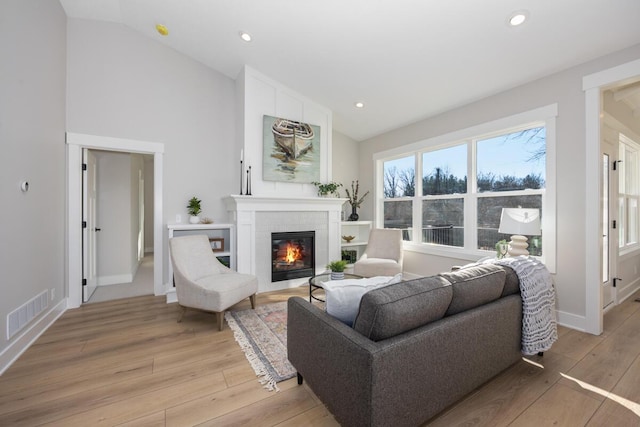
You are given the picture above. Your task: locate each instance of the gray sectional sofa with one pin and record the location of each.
(415, 347)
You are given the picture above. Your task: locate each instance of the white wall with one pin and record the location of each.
(32, 126)
(259, 95)
(345, 165)
(563, 88)
(125, 85)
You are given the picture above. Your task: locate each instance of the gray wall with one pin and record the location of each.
(125, 85)
(563, 88)
(32, 127)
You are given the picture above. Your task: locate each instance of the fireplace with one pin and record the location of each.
(292, 255)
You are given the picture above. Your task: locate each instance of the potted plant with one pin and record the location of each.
(330, 188)
(194, 209)
(337, 269)
(354, 201)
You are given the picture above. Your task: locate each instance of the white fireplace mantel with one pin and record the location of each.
(271, 203)
(245, 212)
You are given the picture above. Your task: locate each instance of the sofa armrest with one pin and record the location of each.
(334, 359)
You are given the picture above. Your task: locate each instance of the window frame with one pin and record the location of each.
(543, 116)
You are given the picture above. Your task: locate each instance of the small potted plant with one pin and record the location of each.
(337, 269)
(194, 209)
(330, 188)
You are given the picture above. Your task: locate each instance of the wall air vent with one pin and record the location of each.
(21, 316)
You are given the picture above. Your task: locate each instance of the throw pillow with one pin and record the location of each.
(343, 296)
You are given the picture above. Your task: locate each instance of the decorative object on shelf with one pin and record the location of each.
(249, 181)
(206, 220)
(501, 249)
(291, 150)
(330, 188)
(337, 269)
(217, 244)
(519, 222)
(350, 256)
(354, 201)
(194, 209)
(348, 238)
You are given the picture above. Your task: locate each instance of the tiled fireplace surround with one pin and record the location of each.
(257, 217)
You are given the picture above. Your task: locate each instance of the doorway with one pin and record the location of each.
(608, 188)
(593, 86)
(75, 145)
(117, 253)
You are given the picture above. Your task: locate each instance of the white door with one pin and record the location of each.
(608, 204)
(90, 230)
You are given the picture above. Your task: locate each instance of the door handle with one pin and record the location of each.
(97, 229)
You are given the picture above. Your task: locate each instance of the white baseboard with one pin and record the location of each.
(572, 321)
(29, 335)
(116, 279)
(171, 296)
(148, 250)
(628, 290)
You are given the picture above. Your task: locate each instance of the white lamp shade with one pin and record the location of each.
(520, 221)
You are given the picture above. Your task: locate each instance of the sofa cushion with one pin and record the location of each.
(394, 309)
(474, 286)
(343, 296)
(511, 283)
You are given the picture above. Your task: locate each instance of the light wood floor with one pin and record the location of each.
(128, 362)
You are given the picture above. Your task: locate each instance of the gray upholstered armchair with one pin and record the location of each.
(383, 255)
(203, 282)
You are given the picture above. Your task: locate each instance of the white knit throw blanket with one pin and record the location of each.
(539, 330)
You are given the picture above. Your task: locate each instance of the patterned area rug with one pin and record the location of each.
(262, 335)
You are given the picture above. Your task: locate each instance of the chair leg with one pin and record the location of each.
(220, 317)
(184, 309)
(252, 298)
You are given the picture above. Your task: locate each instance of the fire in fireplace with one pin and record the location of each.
(292, 255)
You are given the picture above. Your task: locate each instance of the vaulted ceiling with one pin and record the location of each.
(406, 60)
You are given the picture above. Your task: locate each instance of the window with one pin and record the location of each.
(628, 193)
(465, 180)
(511, 173)
(399, 189)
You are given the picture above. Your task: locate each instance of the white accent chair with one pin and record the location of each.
(203, 282)
(383, 255)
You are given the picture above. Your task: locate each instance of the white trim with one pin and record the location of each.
(571, 320)
(592, 85)
(75, 143)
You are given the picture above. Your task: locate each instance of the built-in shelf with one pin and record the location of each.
(355, 248)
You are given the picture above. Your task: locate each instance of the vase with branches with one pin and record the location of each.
(354, 201)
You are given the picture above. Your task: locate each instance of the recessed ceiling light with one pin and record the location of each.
(245, 36)
(359, 104)
(162, 30)
(518, 18)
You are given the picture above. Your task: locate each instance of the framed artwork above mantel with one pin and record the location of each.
(291, 150)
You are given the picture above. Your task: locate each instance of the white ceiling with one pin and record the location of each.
(405, 59)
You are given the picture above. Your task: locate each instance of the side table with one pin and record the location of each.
(315, 283)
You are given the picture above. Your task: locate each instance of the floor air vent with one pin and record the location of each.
(21, 316)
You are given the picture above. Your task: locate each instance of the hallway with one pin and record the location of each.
(142, 284)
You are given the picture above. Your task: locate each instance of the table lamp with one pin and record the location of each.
(519, 222)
